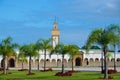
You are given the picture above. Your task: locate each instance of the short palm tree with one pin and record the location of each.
(45, 46)
(103, 37)
(38, 48)
(62, 50)
(6, 50)
(29, 51)
(22, 58)
(72, 51)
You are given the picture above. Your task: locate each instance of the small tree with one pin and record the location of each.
(29, 51)
(6, 50)
(72, 51)
(22, 58)
(60, 49)
(38, 48)
(45, 46)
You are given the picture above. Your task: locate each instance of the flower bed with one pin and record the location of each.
(3, 69)
(110, 71)
(50, 69)
(22, 69)
(63, 74)
(72, 71)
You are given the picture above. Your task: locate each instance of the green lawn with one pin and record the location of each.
(22, 75)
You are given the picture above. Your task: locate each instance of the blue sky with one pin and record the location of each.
(28, 20)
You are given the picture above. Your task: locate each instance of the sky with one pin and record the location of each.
(27, 21)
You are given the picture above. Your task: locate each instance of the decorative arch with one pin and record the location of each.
(96, 60)
(86, 59)
(53, 60)
(78, 61)
(118, 59)
(112, 60)
(11, 62)
(48, 60)
(2, 63)
(42, 60)
(58, 60)
(91, 60)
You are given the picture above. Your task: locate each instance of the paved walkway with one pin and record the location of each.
(78, 69)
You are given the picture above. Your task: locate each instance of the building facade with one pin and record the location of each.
(92, 58)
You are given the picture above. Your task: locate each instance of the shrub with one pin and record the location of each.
(50, 69)
(3, 69)
(110, 71)
(63, 74)
(22, 69)
(72, 71)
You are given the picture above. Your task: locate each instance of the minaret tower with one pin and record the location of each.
(55, 35)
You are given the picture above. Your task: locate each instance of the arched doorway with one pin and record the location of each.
(11, 63)
(78, 61)
(2, 63)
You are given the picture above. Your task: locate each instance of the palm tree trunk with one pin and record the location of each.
(38, 62)
(114, 58)
(30, 71)
(102, 62)
(105, 64)
(4, 65)
(72, 65)
(45, 60)
(63, 63)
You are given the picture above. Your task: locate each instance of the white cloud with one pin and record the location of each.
(110, 5)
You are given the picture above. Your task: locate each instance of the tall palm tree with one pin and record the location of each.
(62, 50)
(103, 37)
(46, 46)
(6, 50)
(116, 30)
(29, 51)
(72, 51)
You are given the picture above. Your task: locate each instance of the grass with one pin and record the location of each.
(22, 75)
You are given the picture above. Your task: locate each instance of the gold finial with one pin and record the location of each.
(55, 24)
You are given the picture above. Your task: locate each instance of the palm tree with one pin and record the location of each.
(60, 49)
(72, 51)
(22, 58)
(115, 40)
(38, 48)
(103, 37)
(6, 50)
(45, 46)
(29, 51)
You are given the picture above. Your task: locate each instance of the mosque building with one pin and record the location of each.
(92, 58)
